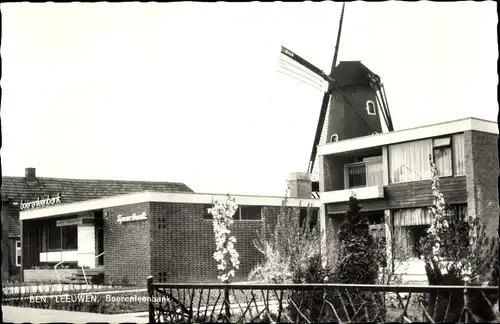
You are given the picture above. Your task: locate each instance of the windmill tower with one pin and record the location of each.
(354, 103)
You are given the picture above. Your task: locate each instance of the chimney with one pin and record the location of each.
(300, 185)
(30, 174)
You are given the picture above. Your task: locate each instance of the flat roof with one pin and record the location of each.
(411, 134)
(166, 197)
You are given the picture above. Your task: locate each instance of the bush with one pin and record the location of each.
(289, 249)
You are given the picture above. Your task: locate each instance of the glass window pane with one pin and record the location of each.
(445, 141)
(459, 154)
(410, 161)
(251, 212)
(54, 234)
(442, 158)
(357, 176)
(206, 214)
(70, 237)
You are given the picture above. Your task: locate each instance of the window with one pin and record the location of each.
(410, 225)
(250, 212)
(69, 237)
(356, 175)
(458, 154)
(408, 241)
(370, 108)
(54, 238)
(410, 161)
(313, 221)
(242, 213)
(442, 156)
(18, 253)
(363, 174)
(206, 214)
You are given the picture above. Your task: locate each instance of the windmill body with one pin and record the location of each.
(358, 114)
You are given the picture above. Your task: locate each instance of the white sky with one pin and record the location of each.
(190, 92)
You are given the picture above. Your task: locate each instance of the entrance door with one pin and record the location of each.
(100, 246)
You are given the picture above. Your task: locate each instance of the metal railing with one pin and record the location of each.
(83, 270)
(84, 276)
(57, 273)
(99, 255)
(309, 303)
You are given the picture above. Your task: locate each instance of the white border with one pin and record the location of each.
(406, 135)
(168, 197)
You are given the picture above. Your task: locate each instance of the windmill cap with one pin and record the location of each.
(348, 73)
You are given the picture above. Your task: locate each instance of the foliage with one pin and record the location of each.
(289, 249)
(225, 254)
(274, 269)
(458, 251)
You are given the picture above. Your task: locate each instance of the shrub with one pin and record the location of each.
(288, 249)
(292, 254)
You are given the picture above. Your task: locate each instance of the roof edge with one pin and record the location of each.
(410, 134)
(166, 197)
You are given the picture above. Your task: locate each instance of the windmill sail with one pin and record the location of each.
(343, 114)
(324, 106)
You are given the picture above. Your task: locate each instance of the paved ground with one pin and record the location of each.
(35, 315)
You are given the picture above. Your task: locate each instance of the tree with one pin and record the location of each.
(358, 263)
(358, 259)
(226, 255)
(457, 251)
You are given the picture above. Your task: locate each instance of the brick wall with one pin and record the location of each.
(127, 258)
(481, 166)
(333, 176)
(183, 243)
(14, 223)
(5, 243)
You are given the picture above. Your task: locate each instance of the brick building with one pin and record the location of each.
(390, 174)
(19, 192)
(166, 233)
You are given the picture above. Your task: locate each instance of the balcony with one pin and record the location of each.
(363, 179)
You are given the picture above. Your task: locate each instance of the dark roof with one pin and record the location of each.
(349, 73)
(73, 190)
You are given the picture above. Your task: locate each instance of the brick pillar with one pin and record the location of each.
(300, 185)
(481, 167)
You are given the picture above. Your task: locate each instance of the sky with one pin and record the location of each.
(191, 92)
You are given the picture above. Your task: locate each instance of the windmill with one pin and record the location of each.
(353, 101)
